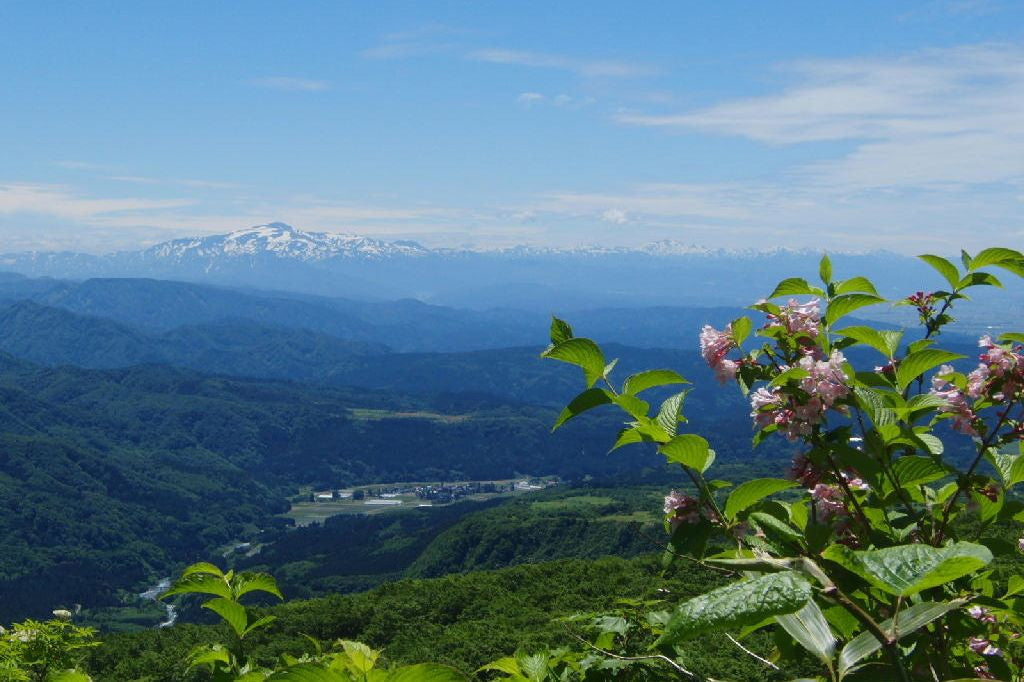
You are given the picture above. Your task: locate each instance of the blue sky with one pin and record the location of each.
(805, 124)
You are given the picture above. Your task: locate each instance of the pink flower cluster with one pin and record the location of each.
(829, 501)
(964, 418)
(800, 319)
(1000, 373)
(684, 509)
(980, 645)
(824, 385)
(924, 302)
(714, 346)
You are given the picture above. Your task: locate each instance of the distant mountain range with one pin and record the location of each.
(278, 256)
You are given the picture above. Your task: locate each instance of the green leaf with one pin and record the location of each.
(256, 582)
(908, 569)
(1010, 467)
(741, 327)
(919, 362)
(907, 622)
(560, 331)
(360, 658)
(944, 267)
(1011, 336)
(689, 450)
(979, 279)
(736, 605)
(913, 470)
(840, 306)
(427, 672)
(66, 676)
(653, 377)
(752, 492)
(965, 258)
(308, 672)
(208, 654)
(810, 629)
(231, 611)
(261, 623)
(632, 405)
(874, 403)
(583, 353)
(202, 567)
(872, 337)
(628, 436)
(856, 284)
(993, 256)
(1015, 585)
(1014, 266)
(825, 269)
(588, 400)
(795, 286)
(791, 374)
(668, 413)
(199, 583)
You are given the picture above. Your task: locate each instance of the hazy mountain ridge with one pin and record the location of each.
(277, 256)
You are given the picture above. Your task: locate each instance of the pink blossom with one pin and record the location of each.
(804, 471)
(684, 509)
(799, 319)
(714, 346)
(1020, 544)
(829, 501)
(980, 645)
(956, 403)
(982, 614)
(827, 380)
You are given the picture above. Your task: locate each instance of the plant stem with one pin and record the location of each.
(982, 447)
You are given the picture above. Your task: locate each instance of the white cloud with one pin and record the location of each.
(594, 68)
(290, 83)
(529, 98)
(936, 116)
(60, 201)
(615, 215)
(428, 39)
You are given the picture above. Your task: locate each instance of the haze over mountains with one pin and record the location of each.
(278, 256)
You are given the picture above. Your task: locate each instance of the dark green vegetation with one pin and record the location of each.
(464, 620)
(110, 476)
(349, 553)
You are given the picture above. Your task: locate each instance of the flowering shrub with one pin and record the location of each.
(875, 554)
(45, 650)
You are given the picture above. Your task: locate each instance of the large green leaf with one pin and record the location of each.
(919, 362)
(753, 491)
(825, 269)
(256, 582)
(231, 611)
(1010, 467)
(202, 567)
(979, 279)
(581, 352)
(588, 400)
(856, 284)
(908, 569)
(809, 627)
(737, 605)
(993, 256)
(199, 583)
(560, 331)
(66, 676)
(689, 450)
(795, 286)
(668, 414)
(944, 267)
(870, 337)
(914, 470)
(907, 621)
(840, 306)
(653, 377)
(427, 672)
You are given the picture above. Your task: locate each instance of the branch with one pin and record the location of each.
(649, 657)
(751, 653)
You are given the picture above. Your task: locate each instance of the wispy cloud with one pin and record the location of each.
(593, 68)
(80, 165)
(63, 202)
(529, 98)
(290, 83)
(937, 116)
(429, 39)
(183, 182)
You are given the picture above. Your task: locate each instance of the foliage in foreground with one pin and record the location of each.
(857, 554)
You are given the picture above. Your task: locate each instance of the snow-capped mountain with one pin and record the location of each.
(280, 257)
(283, 241)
